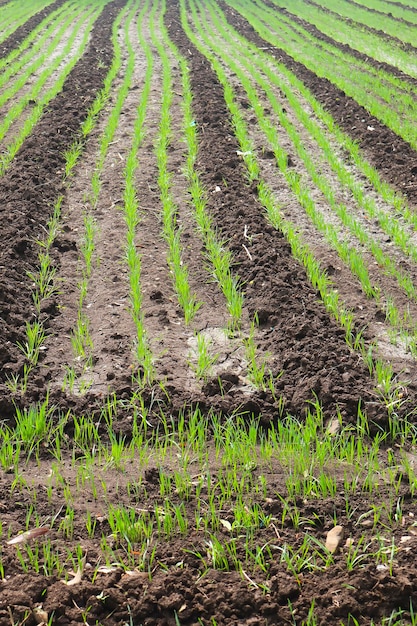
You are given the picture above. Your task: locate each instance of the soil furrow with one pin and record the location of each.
(294, 323)
(401, 5)
(340, 194)
(34, 181)
(29, 56)
(387, 152)
(144, 508)
(369, 313)
(369, 70)
(388, 285)
(111, 327)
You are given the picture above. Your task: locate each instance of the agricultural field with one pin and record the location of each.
(208, 305)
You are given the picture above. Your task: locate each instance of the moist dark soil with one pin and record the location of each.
(400, 5)
(383, 13)
(311, 357)
(297, 328)
(186, 591)
(311, 361)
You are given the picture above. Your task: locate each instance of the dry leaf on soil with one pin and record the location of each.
(226, 524)
(76, 580)
(28, 535)
(333, 427)
(78, 574)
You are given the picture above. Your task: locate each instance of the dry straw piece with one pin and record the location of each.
(334, 539)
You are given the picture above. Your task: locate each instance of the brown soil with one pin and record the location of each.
(368, 312)
(294, 329)
(40, 81)
(32, 184)
(307, 355)
(401, 5)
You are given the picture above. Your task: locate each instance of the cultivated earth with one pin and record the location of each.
(163, 469)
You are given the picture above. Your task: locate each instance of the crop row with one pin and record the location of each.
(388, 98)
(336, 208)
(31, 81)
(85, 332)
(266, 83)
(352, 233)
(15, 14)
